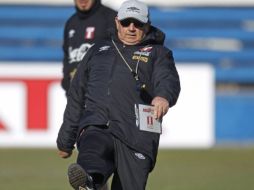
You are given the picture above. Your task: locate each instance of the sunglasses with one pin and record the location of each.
(127, 22)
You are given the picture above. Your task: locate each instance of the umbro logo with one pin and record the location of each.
(140, 156)
(104, 48)
(71, 33)
(133, 9)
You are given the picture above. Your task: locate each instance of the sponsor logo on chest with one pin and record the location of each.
(142, 54)
(77, 54)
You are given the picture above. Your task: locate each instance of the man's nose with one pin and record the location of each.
(132, 26)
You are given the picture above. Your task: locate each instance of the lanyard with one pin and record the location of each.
(141, 87)
(135, 73)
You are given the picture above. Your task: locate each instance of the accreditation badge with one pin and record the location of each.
(145, 119)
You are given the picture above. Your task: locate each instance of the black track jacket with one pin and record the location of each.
(104, 91)
(81, 31)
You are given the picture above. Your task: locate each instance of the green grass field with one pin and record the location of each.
(214, 169)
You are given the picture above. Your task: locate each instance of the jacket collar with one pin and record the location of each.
(155, 36)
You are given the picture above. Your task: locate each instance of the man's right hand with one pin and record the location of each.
(63, 154)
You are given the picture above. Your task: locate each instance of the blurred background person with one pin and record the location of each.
(86, 26)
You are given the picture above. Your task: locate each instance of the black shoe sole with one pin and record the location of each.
(77, 177)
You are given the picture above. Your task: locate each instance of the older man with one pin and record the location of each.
(115, 78)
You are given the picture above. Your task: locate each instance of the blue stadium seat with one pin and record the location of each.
(195, 34)
(32, 33)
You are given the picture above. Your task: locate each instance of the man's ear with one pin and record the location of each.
(147, 27)
(117, 23)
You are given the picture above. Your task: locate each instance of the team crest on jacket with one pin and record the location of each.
(90, 33)
(147, 49)
(142, 54)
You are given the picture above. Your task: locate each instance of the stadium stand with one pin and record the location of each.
(221, 36)
(32, 33)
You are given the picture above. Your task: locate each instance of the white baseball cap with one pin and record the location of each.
(133, 9)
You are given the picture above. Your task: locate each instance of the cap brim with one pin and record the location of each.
(138, 17)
